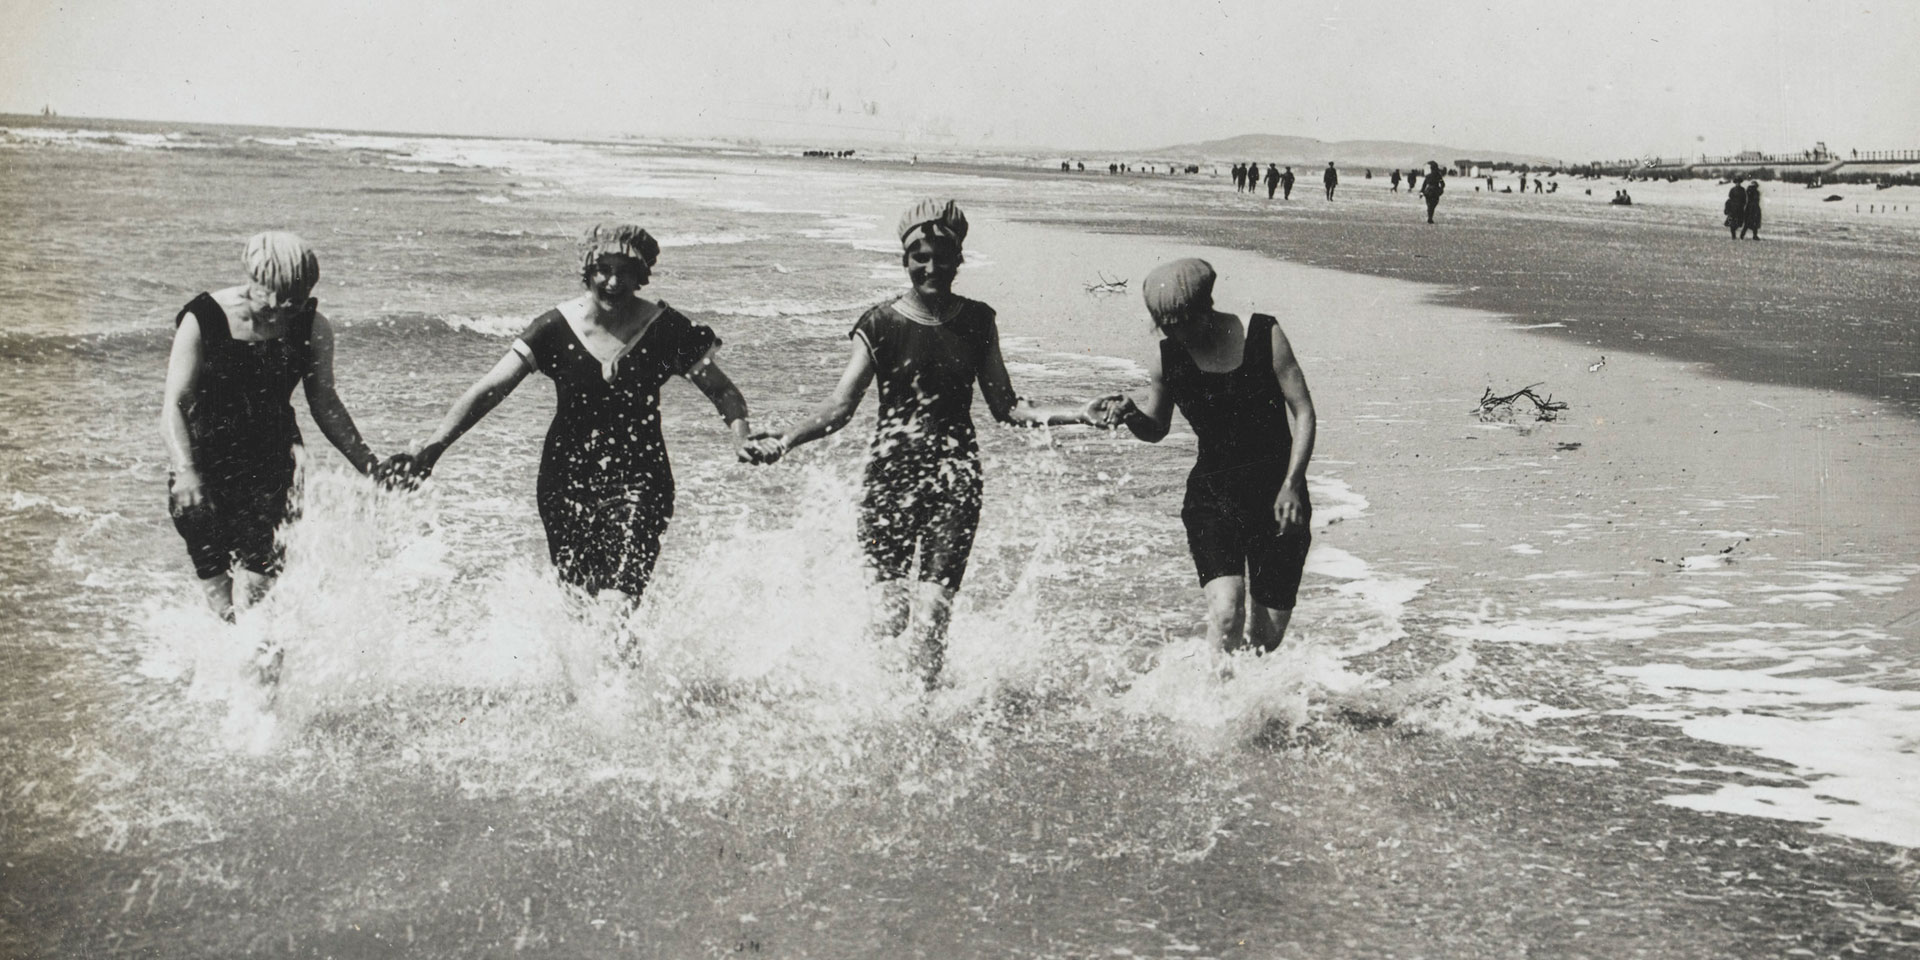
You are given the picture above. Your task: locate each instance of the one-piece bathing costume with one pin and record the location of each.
(922, 498)
(606, 490)
(241, 428)
(1240, 420)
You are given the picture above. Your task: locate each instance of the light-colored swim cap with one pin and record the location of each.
(283, 263)
(624, 239)
(1173, 290)
(935, 218)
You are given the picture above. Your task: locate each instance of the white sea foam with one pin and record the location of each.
(1334, 501)
(1851, 745)
(98, 139)
(1843, 735)
(498, 325)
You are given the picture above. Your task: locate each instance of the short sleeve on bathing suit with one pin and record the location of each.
(869, 332)
(685, 343)
(542, 341)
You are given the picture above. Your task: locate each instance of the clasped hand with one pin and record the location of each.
(1111, 411)
(762, 448)
(402, 471)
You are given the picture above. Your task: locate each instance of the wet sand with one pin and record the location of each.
(1830, 299)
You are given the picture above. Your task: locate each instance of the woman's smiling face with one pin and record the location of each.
(617, 277)
(932, 262)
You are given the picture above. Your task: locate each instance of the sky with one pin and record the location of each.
(1576, 81)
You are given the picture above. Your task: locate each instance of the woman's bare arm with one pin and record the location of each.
(183, 375)
(473, 405)
(835, 412)
(323, 400)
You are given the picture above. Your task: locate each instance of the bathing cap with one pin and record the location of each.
(936, 217)
(623, 239)
(1174, 289)
(283, 263)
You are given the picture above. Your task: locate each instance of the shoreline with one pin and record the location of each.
(1788, 480)
(1641, 695)
(1660, 281)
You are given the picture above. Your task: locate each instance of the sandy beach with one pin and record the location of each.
(1826, 300)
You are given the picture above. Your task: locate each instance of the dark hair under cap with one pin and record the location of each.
(938, 216)
(1174, 289)
(624, 239)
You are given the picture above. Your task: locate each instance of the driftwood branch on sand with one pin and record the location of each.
(1501, 408)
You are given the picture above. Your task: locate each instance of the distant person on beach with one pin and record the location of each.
(1331, 178)
(1750, 212)
(1621, 199)
(1273, 180)
(1239, 178)
(605, 490)
(1393, 176)
(1246, 508)
(1286, 184)
(1435, 186)
(1735, 210)
(227, 418)
(1413, 176)
(927, 348)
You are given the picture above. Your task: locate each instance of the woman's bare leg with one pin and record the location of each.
(219, 592)
(889, 603)
(1227, 612)
(927, 629)
(1267, 626)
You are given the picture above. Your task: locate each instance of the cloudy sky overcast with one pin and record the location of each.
(1579, 81)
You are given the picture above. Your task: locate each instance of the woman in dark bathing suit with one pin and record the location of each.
(606, 489)
(228, 421)
(922, 498)
(1246, 508)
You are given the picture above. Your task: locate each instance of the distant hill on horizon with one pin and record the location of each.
(1386, 154)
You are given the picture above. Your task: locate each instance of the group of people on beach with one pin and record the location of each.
(1247, 179)
(605, 491)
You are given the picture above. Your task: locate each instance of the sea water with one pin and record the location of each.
(458, 759)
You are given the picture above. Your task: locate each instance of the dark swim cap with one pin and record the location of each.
(624, 239)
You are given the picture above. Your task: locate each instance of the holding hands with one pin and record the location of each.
(403, 471)
(763, 448)
(1111, 411)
